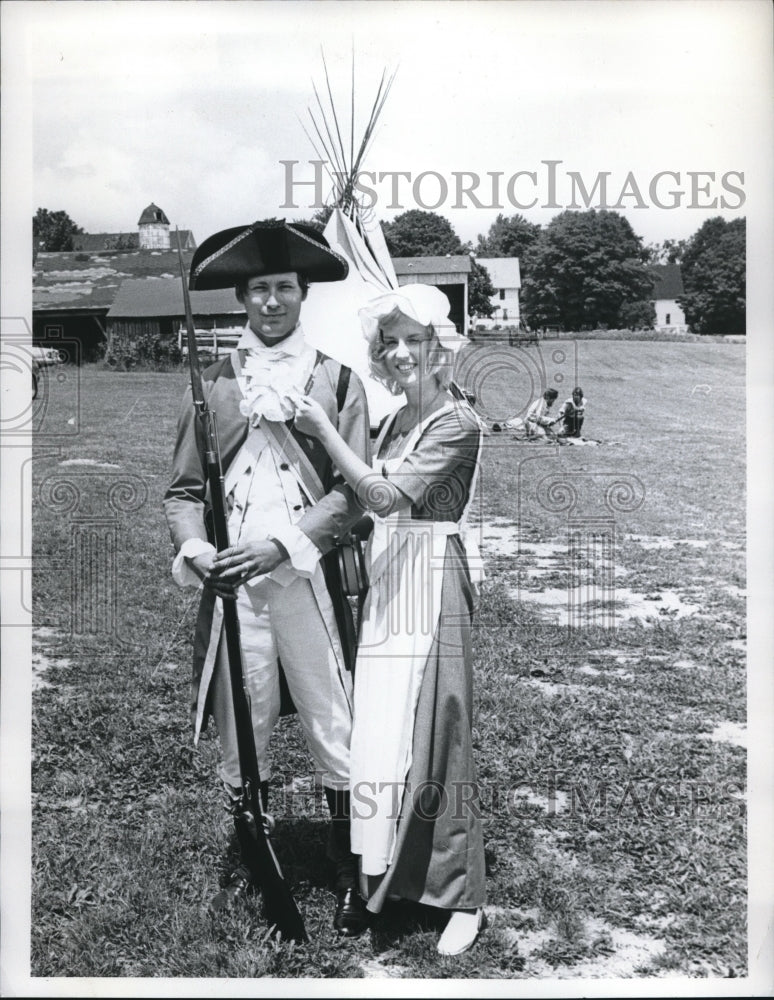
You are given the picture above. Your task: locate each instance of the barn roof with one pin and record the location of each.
(142, 297)
(92, 242)
(668, 281)
(504, 271)
(153, 214)
(447, 264)
(81, 280)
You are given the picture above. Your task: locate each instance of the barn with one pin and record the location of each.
(72, 291)
(153, 312)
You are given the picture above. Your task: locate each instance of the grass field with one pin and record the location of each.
(611, 760)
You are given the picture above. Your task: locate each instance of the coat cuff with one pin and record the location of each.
(182, 573)
(304, 554)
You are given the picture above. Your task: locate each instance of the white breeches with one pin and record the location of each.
(287, 623)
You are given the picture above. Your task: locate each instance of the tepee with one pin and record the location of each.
(331, 311)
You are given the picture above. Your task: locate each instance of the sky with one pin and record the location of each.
(194, 106)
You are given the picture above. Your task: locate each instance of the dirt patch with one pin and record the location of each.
(587, 601)
(90, 461)
(548, 687)
(373, 968)
(591, 605)
(728, 732)
(42, 667)
(552, 804)
(655, 542)
(628, 951)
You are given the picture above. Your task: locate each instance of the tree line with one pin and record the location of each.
(583, 270)
(589, 269)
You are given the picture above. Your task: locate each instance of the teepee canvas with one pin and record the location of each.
(331, 311)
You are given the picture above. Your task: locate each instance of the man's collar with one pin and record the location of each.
(292, 345)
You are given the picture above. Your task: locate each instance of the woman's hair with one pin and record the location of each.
(550, 394)
(439, 358)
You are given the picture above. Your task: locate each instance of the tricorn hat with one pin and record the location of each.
(234, 255)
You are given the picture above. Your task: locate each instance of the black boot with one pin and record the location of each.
(351, 916)
(240, 881)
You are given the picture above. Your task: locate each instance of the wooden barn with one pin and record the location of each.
(449, 273)
(73, 291)
(146, 309)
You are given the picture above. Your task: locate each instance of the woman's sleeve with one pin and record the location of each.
(438, 471)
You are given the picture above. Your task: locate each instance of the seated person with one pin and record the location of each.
(538, 421)
(572, 413)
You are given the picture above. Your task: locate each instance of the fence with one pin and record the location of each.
(210, 342)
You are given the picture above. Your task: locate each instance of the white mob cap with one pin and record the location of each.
(425, 304)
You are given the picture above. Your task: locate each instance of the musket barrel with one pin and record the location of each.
(281, 910)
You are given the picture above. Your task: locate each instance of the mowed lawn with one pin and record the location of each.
(611, 761)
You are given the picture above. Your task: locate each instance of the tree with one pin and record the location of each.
(714, 268)
(53, 231)
(416, 234)
(668, 252)
(584, 267)
(320, 218)
(638, 315)
(508, 237)
(480, 288)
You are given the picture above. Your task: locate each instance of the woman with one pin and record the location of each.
(415, 821)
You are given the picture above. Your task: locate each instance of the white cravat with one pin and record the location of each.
(273, 377)
(270, 379)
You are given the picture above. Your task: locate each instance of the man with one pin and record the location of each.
(538, 421)
(277, 530)
(572, 414)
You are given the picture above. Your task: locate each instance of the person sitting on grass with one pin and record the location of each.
(538, 423)
(572, 414)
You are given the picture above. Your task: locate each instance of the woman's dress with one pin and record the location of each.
(415, 819)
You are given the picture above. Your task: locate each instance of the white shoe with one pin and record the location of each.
(461, 932)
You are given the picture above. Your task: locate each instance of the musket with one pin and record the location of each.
(251, 824)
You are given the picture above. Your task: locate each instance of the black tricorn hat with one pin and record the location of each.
(234, 255)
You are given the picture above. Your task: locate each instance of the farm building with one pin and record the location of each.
(450, 273)
(144, 308)
(72, 291)
(506, 278)
(153, 233)
(668, 287)
(92, 242)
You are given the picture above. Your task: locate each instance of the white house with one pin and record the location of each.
(506, 278)
(668, 287)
